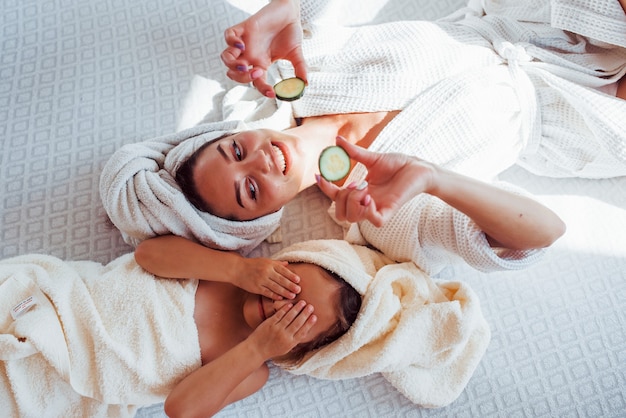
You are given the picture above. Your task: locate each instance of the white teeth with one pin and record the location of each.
(281, 158)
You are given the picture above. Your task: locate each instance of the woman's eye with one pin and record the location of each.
(237, 151)
(252, 190)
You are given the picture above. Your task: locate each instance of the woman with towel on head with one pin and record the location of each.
(205, 332)
(86, 339)
(475, 93)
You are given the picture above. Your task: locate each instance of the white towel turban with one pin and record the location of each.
(142, 198)
(426, 337)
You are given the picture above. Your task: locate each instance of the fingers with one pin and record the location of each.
(232, 35)
(327, 187)
(352, 203)
(296, 319)
(357, 153)
(259, 81)
(282, 285)
(240, 71)
(231, 56)
(299, 65)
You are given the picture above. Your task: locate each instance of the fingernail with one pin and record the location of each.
(318, 178)
(340, 137)
(367, 200)
(352, 185)
(256, 73)
(242, 68)
(362, 186)
(239, 45)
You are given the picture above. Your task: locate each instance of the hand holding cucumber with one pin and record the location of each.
(273, 33)
(392, 180)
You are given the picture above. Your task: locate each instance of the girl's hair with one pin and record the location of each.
(184, 177)
(348, 304)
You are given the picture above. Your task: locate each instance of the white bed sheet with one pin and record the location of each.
(80, 78)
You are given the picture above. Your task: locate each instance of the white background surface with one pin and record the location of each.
(78, 79)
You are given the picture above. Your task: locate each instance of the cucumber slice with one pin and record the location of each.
(334, 163)
(289, 89)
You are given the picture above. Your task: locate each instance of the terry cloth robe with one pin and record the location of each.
(82, 339)
(491, 85)
(425, 336)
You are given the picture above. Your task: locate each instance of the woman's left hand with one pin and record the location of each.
(270, 278)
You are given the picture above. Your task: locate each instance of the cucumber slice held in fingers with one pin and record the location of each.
(289, 89)
(334, 163)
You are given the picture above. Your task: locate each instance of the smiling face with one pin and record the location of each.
(248, 174)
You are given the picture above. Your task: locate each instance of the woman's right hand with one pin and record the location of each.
(273, 33)
(270, 278)
(392, 180)
(284, 330)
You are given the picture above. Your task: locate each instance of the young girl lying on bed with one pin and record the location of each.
(85, 339)
(70, 337)
(475, 93)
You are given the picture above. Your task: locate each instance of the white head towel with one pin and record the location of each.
(137, 184)
(425, 337)
(142, 198)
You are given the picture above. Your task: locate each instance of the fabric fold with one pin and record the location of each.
(425, 336)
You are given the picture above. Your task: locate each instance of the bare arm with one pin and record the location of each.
(272, 33)
(240, 371)
(509, 220)
(179, 258)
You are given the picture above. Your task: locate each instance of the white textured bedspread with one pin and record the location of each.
(78, 79)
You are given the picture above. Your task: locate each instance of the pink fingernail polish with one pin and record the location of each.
(367, 200)
(352, 185)
(256, 73)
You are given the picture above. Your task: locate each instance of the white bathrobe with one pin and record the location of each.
(479, 91)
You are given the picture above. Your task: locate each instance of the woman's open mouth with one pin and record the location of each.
(281, 157)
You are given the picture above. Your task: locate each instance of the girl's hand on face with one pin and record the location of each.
(270, 278)
(273, 33)
(392, 180)
(284, 330)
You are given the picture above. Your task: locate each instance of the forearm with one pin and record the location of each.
(179, 258)
(218, 383)
(509, 220)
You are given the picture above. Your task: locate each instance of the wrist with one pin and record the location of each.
(233, 268)
(259, 347)
(429, 177)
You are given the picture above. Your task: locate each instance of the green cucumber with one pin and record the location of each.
(289, 89)
(334, 163)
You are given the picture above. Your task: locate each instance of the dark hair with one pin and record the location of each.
(348, 305)
(184, 177)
